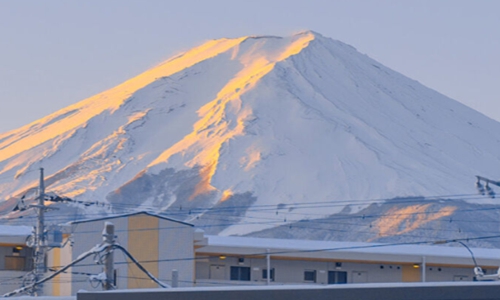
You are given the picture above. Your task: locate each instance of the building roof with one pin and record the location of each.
(351, 251)
(14, 235)
(109, 217)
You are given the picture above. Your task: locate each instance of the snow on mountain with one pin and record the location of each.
(254, 122)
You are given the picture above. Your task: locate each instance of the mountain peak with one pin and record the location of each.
(309, 32)
(256, 121)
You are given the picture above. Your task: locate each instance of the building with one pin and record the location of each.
(15, 258)
(243, 261)
(159, 243)
(163, 245)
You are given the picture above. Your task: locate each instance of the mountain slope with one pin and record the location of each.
(255, 122)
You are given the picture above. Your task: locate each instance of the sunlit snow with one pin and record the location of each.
(288, 120)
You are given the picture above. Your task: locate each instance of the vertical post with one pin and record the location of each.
(268, 261)
(424, 268)
(108, 236)
(175, 278)
(40, 235)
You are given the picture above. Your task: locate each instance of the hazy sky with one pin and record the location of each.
(58, 52)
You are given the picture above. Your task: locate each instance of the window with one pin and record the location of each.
(264, 274)
(240, 273)
(16, 251)
(310, 275)
(337, 277)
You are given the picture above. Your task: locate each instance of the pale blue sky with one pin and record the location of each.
(55, 53)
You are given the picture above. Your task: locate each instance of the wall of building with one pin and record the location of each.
(446, 273)
(216, 271)
(176, 250)
(151, 240)
(15, 259)
(85, 236)
(10, 280)
(57, 258)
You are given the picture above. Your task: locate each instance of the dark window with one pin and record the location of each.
(264, 274)
(310, 275)
(336, 277)
(240, 273)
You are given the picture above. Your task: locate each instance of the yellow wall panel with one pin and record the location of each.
(56, 286)
(411, 274)
(143, 245)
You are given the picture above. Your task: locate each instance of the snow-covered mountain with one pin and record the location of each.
(263, 127)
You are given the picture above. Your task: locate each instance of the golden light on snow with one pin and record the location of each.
(248, 162)
(403, 220)
(77, 115)
(203, 185)
(215, 127)
(220, 120)
(226, 195)
(238, 116)
(137, 116)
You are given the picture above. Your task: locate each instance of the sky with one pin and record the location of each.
(56, 53)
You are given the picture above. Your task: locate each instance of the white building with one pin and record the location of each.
(162, 244)
(159, 243)
(15, 258)
(241, 260)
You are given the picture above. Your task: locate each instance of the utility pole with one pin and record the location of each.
(40, 243)
(108, 236)
(268, 264)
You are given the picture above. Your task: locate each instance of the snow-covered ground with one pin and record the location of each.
(256, 122)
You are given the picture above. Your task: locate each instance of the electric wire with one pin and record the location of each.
(343, 248)
(335, 217)
(273, 208)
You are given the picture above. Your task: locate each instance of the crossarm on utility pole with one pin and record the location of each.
(497, 183)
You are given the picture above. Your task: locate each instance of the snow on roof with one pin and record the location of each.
(347, 250)
(7, 230)
(14, 234)
(128, 215)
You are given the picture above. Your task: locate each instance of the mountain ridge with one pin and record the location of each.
(256, 120)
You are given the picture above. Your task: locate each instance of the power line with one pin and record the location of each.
(428, 242)
(298, 224)
(211, 211)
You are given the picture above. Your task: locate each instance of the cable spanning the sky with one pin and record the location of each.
(333, 249)
(272, 216)
(300, 219)
(173, 211)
